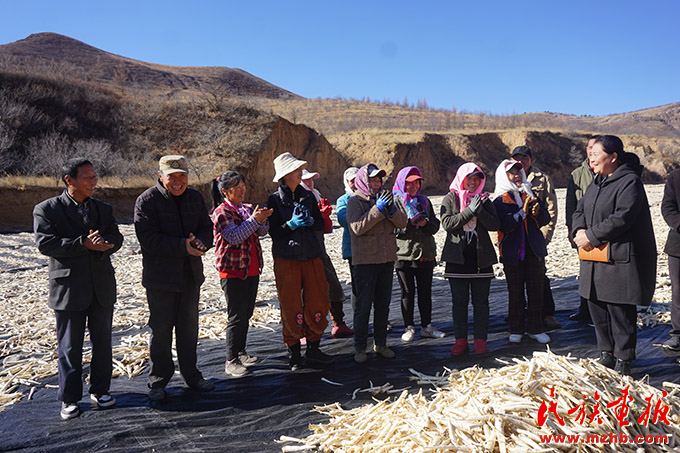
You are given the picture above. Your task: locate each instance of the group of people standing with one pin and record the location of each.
(384, 230)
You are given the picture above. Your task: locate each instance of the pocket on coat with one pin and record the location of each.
(59, 273)
(620, 252)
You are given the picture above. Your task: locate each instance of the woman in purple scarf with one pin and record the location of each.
(416, 252)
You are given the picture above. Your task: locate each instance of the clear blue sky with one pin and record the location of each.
(577, 57)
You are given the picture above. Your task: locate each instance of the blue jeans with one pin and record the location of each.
(373, 284)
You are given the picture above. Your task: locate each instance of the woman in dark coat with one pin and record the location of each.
(670, 210)
(468, 214)
(615, 211)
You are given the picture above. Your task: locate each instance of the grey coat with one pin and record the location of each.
(616, 210)
(453, 221)
(76, 273)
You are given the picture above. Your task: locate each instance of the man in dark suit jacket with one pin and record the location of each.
(79, 234)
(174, 231)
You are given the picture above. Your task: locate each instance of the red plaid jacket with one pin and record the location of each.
(233, 240)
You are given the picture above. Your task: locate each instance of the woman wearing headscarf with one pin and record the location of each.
(341, 206)
(236, 228)
(416, 253)
(335, 292)
(300, 280)
(467, 215)
(521, 246)
(372, 216)
(614, 215)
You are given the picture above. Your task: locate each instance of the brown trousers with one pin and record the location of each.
(303, 298)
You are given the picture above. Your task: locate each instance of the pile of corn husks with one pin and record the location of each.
(486, 410)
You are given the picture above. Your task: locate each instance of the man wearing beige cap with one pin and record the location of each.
(174, 231)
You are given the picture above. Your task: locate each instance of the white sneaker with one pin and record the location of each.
(515, 338)
(104, 400)
(542, 338)
(430, 331)
(408, 335)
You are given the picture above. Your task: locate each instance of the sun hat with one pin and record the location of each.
(286, 163)
(309, 174)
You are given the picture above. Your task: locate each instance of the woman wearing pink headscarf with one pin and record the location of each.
(467, 216)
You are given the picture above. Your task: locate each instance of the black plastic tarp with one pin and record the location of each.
(250, 413)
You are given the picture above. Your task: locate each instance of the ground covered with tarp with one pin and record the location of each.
(251, 413)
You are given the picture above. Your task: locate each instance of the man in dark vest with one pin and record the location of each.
(79, 233)
(174, 231)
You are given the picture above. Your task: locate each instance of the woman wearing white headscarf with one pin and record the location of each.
(521, 247)
(336, 294)
(341, 211)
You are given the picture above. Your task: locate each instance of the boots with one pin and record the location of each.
(607, 359)
(317, 357)
(295, 361)
(622, 367)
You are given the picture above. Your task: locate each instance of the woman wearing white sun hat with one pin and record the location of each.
(300, 280)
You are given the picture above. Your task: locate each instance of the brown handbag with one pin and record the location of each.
(599, 254)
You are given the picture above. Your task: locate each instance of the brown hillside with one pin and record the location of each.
(440, 155)
(16, 204)
(50, 52)
(332, 116)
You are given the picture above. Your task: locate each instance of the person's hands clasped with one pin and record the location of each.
(95, 242)
(325, 207)
(195, 246)
(526, 206)
(475, 204)
(299, 220)
(382, 202)
(261, 214)
(535, 208)
(581, 240)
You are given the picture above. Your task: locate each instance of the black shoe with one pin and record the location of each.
(295, 360)
(607, 359)
(673, 344)
(316, 356)
(203, 385)
(622, 367)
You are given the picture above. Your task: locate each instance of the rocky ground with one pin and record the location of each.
(27, 340)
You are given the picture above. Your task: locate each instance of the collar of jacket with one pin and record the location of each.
(623, 170)
(300, 193)
(509, 199)
(363, 196)
(166, 193)
(534, 172)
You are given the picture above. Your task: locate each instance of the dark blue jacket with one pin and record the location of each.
(512, 229)
(300, 244)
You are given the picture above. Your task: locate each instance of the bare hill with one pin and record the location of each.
(331, 116)
(51, 52)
